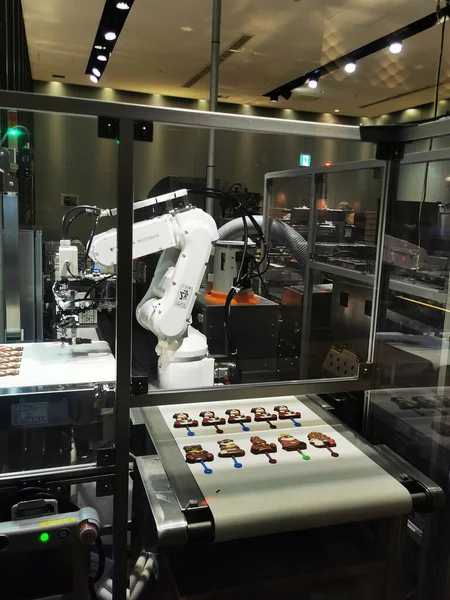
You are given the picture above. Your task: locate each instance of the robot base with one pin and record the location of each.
(187, 366)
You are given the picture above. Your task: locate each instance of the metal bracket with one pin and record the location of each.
(390, 151)
(365, 370)
(104, 488)
(106, 457)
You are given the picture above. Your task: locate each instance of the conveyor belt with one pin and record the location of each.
(263, 498)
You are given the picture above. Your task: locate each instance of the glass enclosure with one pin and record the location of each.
(57, 341)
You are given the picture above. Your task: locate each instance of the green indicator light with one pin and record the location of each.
(12, 131)
(44, 538)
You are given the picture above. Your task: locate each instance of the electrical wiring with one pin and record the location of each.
(89, 244)
(86, 296)
(430, 147)
(84, 208)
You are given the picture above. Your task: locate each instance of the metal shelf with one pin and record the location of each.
(366, 278)
(419, 289)
(397, 284)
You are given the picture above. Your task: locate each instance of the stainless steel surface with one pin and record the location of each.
(11, 260)
(419, 289)
(38, 286)
(180, 477)
(26, 279)
(2, 295)
(253, 390)
(423, 131)
(424, 157)
(342, 272)
(339, 168)
(213, 92)
(124, 294)
(68, 475)
(176, 116)
(170, 522)
(316, 182)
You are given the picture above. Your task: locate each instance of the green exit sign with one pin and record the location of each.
(305, 160)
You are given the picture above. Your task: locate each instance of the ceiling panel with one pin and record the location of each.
(166, 42)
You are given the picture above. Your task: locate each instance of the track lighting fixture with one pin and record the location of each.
(350, 67)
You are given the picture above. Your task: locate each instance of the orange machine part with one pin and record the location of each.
(220, 298)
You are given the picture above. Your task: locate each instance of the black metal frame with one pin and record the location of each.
(127, 114)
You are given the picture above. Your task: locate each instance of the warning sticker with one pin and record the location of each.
(183, 296)
(35, 413)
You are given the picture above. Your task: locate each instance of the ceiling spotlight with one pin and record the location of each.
(100, 47)
(350, 67)
(313, 83)
(102, 58)
(274, 98)
(123, 6)
(96, 72)
(396, 48)
(110, 36)
(336, 110)
(93, 78)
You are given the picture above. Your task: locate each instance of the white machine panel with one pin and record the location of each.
(263, 498)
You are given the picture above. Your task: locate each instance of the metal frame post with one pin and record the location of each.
(213, 93)
(125, 198)
(308, 279)
(11, 261)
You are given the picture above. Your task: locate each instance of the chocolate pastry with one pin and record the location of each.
(260, 446)
(403, 403)
(424, 402)
(196, 454)
(261, 415)
(320, 440)
(183, 420)
(285, 413)
(210, 419)
(235, 416)
(291, 444)
(228, 449)
(8, 372)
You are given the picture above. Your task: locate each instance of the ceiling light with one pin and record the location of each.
(93, 78)
(96, 72)
(396, 48)
(336, 110)
(100, 47)
(274, 98)
(110, 36)
(350, 67)
(123, 6)
(313, 83)
(102, 58)
(187, 29)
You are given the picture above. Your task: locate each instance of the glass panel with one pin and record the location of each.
(56, 310)
(409, 413)
(258, 340)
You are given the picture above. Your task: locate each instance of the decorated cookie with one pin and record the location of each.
(228, 449)
(235, 416)
(260, 446)
(196, 454)
(183, 420)
(261, 415)
(320, 440)
(291, 444)
(285, 413)
(210, 420)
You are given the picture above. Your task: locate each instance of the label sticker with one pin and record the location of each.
(35, 413)
(58, 522)
(184, 293)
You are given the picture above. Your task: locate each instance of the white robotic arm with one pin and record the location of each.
(185, 236)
